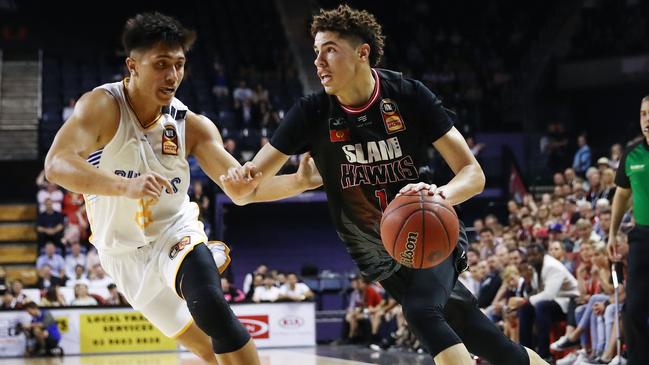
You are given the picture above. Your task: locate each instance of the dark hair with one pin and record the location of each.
(486, 229)
(352, 24)
(30, 305)
(145, 30)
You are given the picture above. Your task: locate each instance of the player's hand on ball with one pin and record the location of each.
(149, 185)
(307, 173)
(415, 188)
(241, 181)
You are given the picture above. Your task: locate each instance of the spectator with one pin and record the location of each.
(294, 291)
(230, 293)
(556, 286)
(74, 259)
(487, 242)
(115, 298)
(608, 184)
(595, 184)
(44, 329)
(19, 296)
(81, 296)
(242, 93)
(8, 300)
(99, 278)
(266, 292)
(51, 192)
(582, 160)
(79, 275)
(616, 154)
(585, 233)
(46, 279)
(204, 205)
(362, 298)
(53, 297)
(557, 250)
(489, 284)
(258, 280)
(49, 225)
(262, 269)
(54, 260)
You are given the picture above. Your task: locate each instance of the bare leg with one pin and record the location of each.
(454, 355)
(247, 355)
(535, 359)
(196, 341)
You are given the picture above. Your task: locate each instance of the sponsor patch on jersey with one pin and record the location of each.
(338, 131)
(391, 116)
(169, 141)
(179, 247)
(639, 167)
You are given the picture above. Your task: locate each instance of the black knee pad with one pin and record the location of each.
(199, 282)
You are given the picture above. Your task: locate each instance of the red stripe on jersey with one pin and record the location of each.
(375, 95)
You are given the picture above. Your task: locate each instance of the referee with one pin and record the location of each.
(632, 179)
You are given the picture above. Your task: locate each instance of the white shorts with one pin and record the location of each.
(147, 275)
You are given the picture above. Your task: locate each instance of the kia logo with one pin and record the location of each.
(291, 322)
(257, 326)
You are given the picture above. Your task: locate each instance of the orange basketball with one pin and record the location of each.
(418, 230)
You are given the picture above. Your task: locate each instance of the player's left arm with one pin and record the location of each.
(203, 141)
(469, 178)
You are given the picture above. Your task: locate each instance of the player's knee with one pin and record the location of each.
(214, 316)
(419, 313)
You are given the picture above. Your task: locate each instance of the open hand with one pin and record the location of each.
(241, 181)
(307, 173)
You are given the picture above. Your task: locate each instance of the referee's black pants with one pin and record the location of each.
(636, 321)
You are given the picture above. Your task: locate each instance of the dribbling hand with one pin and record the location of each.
(415, 188)
(149, 185)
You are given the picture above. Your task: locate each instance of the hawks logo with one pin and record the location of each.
(391, 117)
(179, 247)
(169, 141)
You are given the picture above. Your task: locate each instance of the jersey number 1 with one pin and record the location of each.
(383, 198)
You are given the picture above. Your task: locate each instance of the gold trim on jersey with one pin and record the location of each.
(128, 101)
(182, 330)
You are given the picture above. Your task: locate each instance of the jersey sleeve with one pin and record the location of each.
(437, 121)
(293, 135)
(621, 178)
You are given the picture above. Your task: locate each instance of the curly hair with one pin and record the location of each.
(145, 30)
(353, 24)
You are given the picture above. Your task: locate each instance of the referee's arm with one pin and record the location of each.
(621, 203)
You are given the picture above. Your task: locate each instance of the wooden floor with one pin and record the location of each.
(267, 357)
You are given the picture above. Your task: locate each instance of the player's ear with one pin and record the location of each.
(130, 65)
(364, 52)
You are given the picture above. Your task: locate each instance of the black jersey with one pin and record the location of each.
(365, 156)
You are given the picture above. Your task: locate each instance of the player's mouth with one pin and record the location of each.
(645, 129)
(325, 78)
(168, 90)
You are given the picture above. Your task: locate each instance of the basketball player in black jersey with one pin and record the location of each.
(365, 132)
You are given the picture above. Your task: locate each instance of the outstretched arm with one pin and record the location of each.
(267, 163)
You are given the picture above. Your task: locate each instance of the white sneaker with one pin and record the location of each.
(563, 343)
(618, 360)
(568, 359)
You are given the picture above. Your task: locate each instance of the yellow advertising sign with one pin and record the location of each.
(120, 332)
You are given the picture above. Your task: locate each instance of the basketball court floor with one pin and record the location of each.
(320, 355)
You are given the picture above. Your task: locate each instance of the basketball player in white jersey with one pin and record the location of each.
(125, 147)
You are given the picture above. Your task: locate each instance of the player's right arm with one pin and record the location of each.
(92, 125)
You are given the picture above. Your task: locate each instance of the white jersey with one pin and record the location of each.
(119, 223)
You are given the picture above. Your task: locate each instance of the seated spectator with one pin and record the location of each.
(585, 233)
(280, 278)
(557, 250)
(249, 278)
(44, 329)
(46, 279)
(99, 278)
(68, 109)
(487, 243)
(92, 260)
(53, 193)
(231, 293)
(489, 284)
(380, 314)
(73, 259)
(79, 275)
(115, 298)
(3, 280)
(294, 291)
(266, 292)
(556, 286)
(81, 296)
(53, 297)
(49, 225)
(258, 280)
(19, 296)
(362, 298)
(54, 260)
(8, 300)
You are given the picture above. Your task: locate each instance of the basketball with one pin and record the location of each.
(418, 230)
